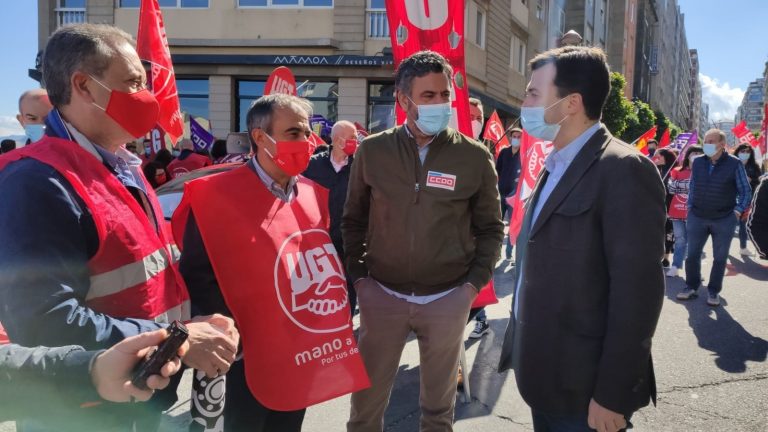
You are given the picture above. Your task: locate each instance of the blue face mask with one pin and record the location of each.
(434, 118)
(514, 142)
(744, 156)
(710, 149)
(34, 132)
(534, 123)
(176, 153)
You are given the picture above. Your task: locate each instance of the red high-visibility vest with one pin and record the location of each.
(133, 273)
(284, 284)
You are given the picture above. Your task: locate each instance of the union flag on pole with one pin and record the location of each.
(494, 132)
(533, 153)
(744, 135)
(152, 46)
(641, 144)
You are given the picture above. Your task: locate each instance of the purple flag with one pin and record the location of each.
(201, 138)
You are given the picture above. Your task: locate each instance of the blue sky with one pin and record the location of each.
(730, 37)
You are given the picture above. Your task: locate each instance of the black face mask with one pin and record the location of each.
(651, 151)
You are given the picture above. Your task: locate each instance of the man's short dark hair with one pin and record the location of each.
(7, 145)
(582, 70)
(88, 48)
(260, 114)
(418, 65)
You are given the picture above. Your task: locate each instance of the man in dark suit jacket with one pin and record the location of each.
(589, 281)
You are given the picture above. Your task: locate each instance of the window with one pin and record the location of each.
(70, 12)
(168, 3)
(540, 10)
(561, 22)
(381, 107)
(193, 96)
(284, 3)
(475, 25)
(323, 95)
(517, 55)
(376, 20)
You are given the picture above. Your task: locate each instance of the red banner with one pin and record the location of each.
(494, 132)
(744, 135)
(534, 152)
(152, 46)
(665, 140)
(436, 25)
(281, 80)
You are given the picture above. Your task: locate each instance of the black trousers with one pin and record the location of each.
(243, 413)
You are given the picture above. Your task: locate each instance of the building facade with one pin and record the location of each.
(339, 50)
(695, 92)
(646, 52)
(622, 40)
(751, 108)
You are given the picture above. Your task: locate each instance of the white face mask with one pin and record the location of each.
(477, 128)
(534, 123)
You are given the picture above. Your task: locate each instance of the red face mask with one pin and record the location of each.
(160, 179)
(292, 156)
(350, 146)
(136, 113)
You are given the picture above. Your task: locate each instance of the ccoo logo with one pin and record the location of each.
(310, 283)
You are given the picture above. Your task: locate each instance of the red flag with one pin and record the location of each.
(152, 46)
(665, 139)
(316, 140)
(436, 25)
(744, 135)
(534, 152)
(641, 144)
(281, 80)
(494, 132)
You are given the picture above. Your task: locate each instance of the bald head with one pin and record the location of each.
(33, 107)
(343, 130)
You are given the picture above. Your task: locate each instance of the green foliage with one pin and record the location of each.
(617, 110)
(640, 120)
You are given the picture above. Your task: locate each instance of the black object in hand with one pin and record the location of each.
(177, 335)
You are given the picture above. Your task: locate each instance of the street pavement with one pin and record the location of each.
(711, 368)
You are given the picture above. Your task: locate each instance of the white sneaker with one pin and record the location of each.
(672, 272)
(747, 253)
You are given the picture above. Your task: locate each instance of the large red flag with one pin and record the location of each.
(436, 25)
(744, 135)
(152, 46)
(494, 132)
(533, 152)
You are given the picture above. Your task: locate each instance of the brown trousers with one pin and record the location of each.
(385, 322)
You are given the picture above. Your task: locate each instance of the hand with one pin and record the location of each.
(212, 349)
(111, 371)
(604, 420)
(474, 291)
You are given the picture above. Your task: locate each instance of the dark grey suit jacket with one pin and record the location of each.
(593, 287)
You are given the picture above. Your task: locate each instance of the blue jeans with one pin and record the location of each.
(699, 230)
(549, 423)
(681, 242)
(743, 234)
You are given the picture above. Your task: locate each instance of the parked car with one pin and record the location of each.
(170, 193)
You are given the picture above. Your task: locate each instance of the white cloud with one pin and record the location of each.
(723, 99)
(9, 126)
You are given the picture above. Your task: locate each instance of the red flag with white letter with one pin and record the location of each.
(494, 132)
(744, 135)
(534, 152)
(152, 46)
(436, 25)
(281, 80)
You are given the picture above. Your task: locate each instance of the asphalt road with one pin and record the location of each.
(711, 368)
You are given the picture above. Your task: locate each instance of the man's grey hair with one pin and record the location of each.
(339, 125)
(260, 114)
(718, 132)
(418, 65)
(87, 48)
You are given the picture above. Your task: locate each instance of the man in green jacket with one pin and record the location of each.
(422, 230)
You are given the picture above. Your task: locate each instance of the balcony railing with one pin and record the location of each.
(378, 27)
(67, 16)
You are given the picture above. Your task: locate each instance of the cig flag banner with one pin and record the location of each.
(534, 152)
(744, 135)
(494, 132)
(201, 138)
(152, 47)
(684, 139)
(436, 25)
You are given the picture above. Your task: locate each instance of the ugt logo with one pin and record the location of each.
(310, 283)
